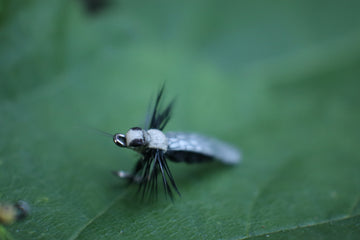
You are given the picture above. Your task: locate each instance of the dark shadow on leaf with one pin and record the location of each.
(193, 173)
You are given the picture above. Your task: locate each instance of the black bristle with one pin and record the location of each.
(153, 161)
(159, 119)
(148, 169)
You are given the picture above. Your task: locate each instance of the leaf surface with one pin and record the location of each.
(278, 80)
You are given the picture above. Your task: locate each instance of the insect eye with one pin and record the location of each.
(138, 142)
(119, 139)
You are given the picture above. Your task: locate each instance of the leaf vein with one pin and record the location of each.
(303, 226)
(81, 229)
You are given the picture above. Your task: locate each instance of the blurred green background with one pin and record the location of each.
(278, 79)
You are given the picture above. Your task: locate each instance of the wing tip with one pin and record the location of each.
(233, 157)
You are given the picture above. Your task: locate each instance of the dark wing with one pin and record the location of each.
(159, 118)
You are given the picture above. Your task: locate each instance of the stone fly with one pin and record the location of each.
(155, 147)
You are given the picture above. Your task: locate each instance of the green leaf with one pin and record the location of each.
(280, 80)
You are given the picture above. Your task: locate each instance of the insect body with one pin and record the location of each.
(156, 146)
(9, 213)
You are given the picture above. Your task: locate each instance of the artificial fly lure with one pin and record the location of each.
(155, 147)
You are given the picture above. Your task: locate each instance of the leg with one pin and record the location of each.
(134, 176)
(126, 175)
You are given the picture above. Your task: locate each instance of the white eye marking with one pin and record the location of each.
(134, 135)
